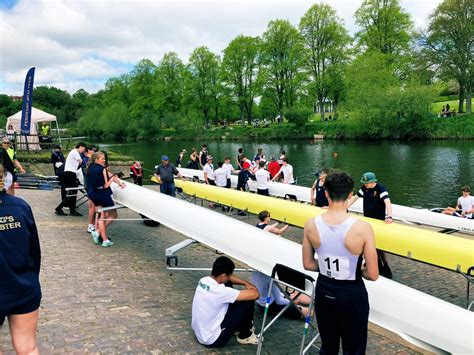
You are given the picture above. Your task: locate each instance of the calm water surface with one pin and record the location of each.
(420, 174)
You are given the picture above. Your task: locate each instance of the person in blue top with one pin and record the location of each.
(20, 261)
(377, 205)
(318, 192)
(57, 158)
(98, 190)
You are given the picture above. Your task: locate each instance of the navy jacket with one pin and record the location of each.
(20, 253)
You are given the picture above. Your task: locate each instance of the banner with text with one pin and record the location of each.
(27, 102)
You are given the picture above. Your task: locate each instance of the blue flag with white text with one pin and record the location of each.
(27, 102)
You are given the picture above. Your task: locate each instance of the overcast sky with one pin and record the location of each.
(80, 43)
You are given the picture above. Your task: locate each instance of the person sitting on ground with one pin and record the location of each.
(318, 192)
(100, 193)
(465, 205)
(273, 166)
(264, 224)
(376, 205)
(11, 163)
(341, 243)
(287, 171)
(262, 281)
(136, 173)
(165, 174)
(179, 159)
(263, 178)
(71, 166)
(218, 310)
(57, 158)
(20, 264)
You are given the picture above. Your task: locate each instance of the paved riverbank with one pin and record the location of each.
(123, 299)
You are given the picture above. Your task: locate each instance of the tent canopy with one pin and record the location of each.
(37, 116)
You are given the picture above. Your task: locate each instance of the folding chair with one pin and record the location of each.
(285, 278)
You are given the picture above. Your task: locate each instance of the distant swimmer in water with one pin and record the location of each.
(465, 205)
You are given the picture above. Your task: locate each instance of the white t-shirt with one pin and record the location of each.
(221, 176)
(262, 282)
(209, 169)
(72, 161)
(210, 304)
(228, 166)
(466, 204)
(287, 174)
(263, 177)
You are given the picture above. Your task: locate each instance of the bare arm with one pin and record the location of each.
(371, 270)
(18, 165)
(352, 200)
(275, 230)
(388, 208)
(276, 175)
(313, 189)
(309, 262)
(249, 294)
(205, 178)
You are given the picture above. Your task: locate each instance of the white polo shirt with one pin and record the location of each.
(210, 304)
(72, 161)
(263, 177)
(221, 176)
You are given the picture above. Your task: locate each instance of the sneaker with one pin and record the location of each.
(107, 243)
(251, 340)
(95, 236)
(90, 228)
(75, 213)
(60, 212)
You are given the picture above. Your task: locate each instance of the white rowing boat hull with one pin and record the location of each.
(401, 213)
(416, 316)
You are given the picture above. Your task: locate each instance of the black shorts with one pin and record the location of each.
(211, 182)
(27, 307)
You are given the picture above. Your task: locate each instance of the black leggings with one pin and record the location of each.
(239, 318)
(69, 180)
(342, 312)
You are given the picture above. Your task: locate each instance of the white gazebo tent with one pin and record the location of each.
(37, 116)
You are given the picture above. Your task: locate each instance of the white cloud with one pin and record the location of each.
(79, 44)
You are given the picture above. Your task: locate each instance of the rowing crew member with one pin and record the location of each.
(318, 193)
(165, 174)
(340, 242)
(20, 260)
(465, 205)
(219, 310)
(377, 205)
(287, 171)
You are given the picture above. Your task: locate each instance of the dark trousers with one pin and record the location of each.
(69, 180)
(263, 192)
(342, 312)
(228, 185)
(168, 188)
(138, 180)
(239, 318)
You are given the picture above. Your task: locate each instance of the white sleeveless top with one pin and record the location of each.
(334, 260)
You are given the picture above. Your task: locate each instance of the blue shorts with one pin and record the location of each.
(27, 307)
(101, 197)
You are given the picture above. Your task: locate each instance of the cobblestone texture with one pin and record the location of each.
(123, 299)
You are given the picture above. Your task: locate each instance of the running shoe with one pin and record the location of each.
(90, 229)
(107, 243)
(95, 236)
(251, 340)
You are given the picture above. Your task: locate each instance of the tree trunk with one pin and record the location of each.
(321, 107)
(461, 98)
(468, 100)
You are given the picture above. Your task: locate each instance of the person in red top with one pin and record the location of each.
(273, 166)
(136, 173)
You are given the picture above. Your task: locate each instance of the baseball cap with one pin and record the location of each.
(165, 157)
(209, 157)
(368, 177)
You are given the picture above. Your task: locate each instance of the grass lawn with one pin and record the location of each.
(453, 104)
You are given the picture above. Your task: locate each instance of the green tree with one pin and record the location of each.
(325, 42)
(203, 70)
(117, 90)
(449, 44)
(240, 66)
(168, 88)
(384, 26)
(281, 55)
(54, 101)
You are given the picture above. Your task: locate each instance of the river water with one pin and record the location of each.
(422, 174)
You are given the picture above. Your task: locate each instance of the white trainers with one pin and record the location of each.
(95, 236)
(251, 340)
(90, 228)
(107, 243)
